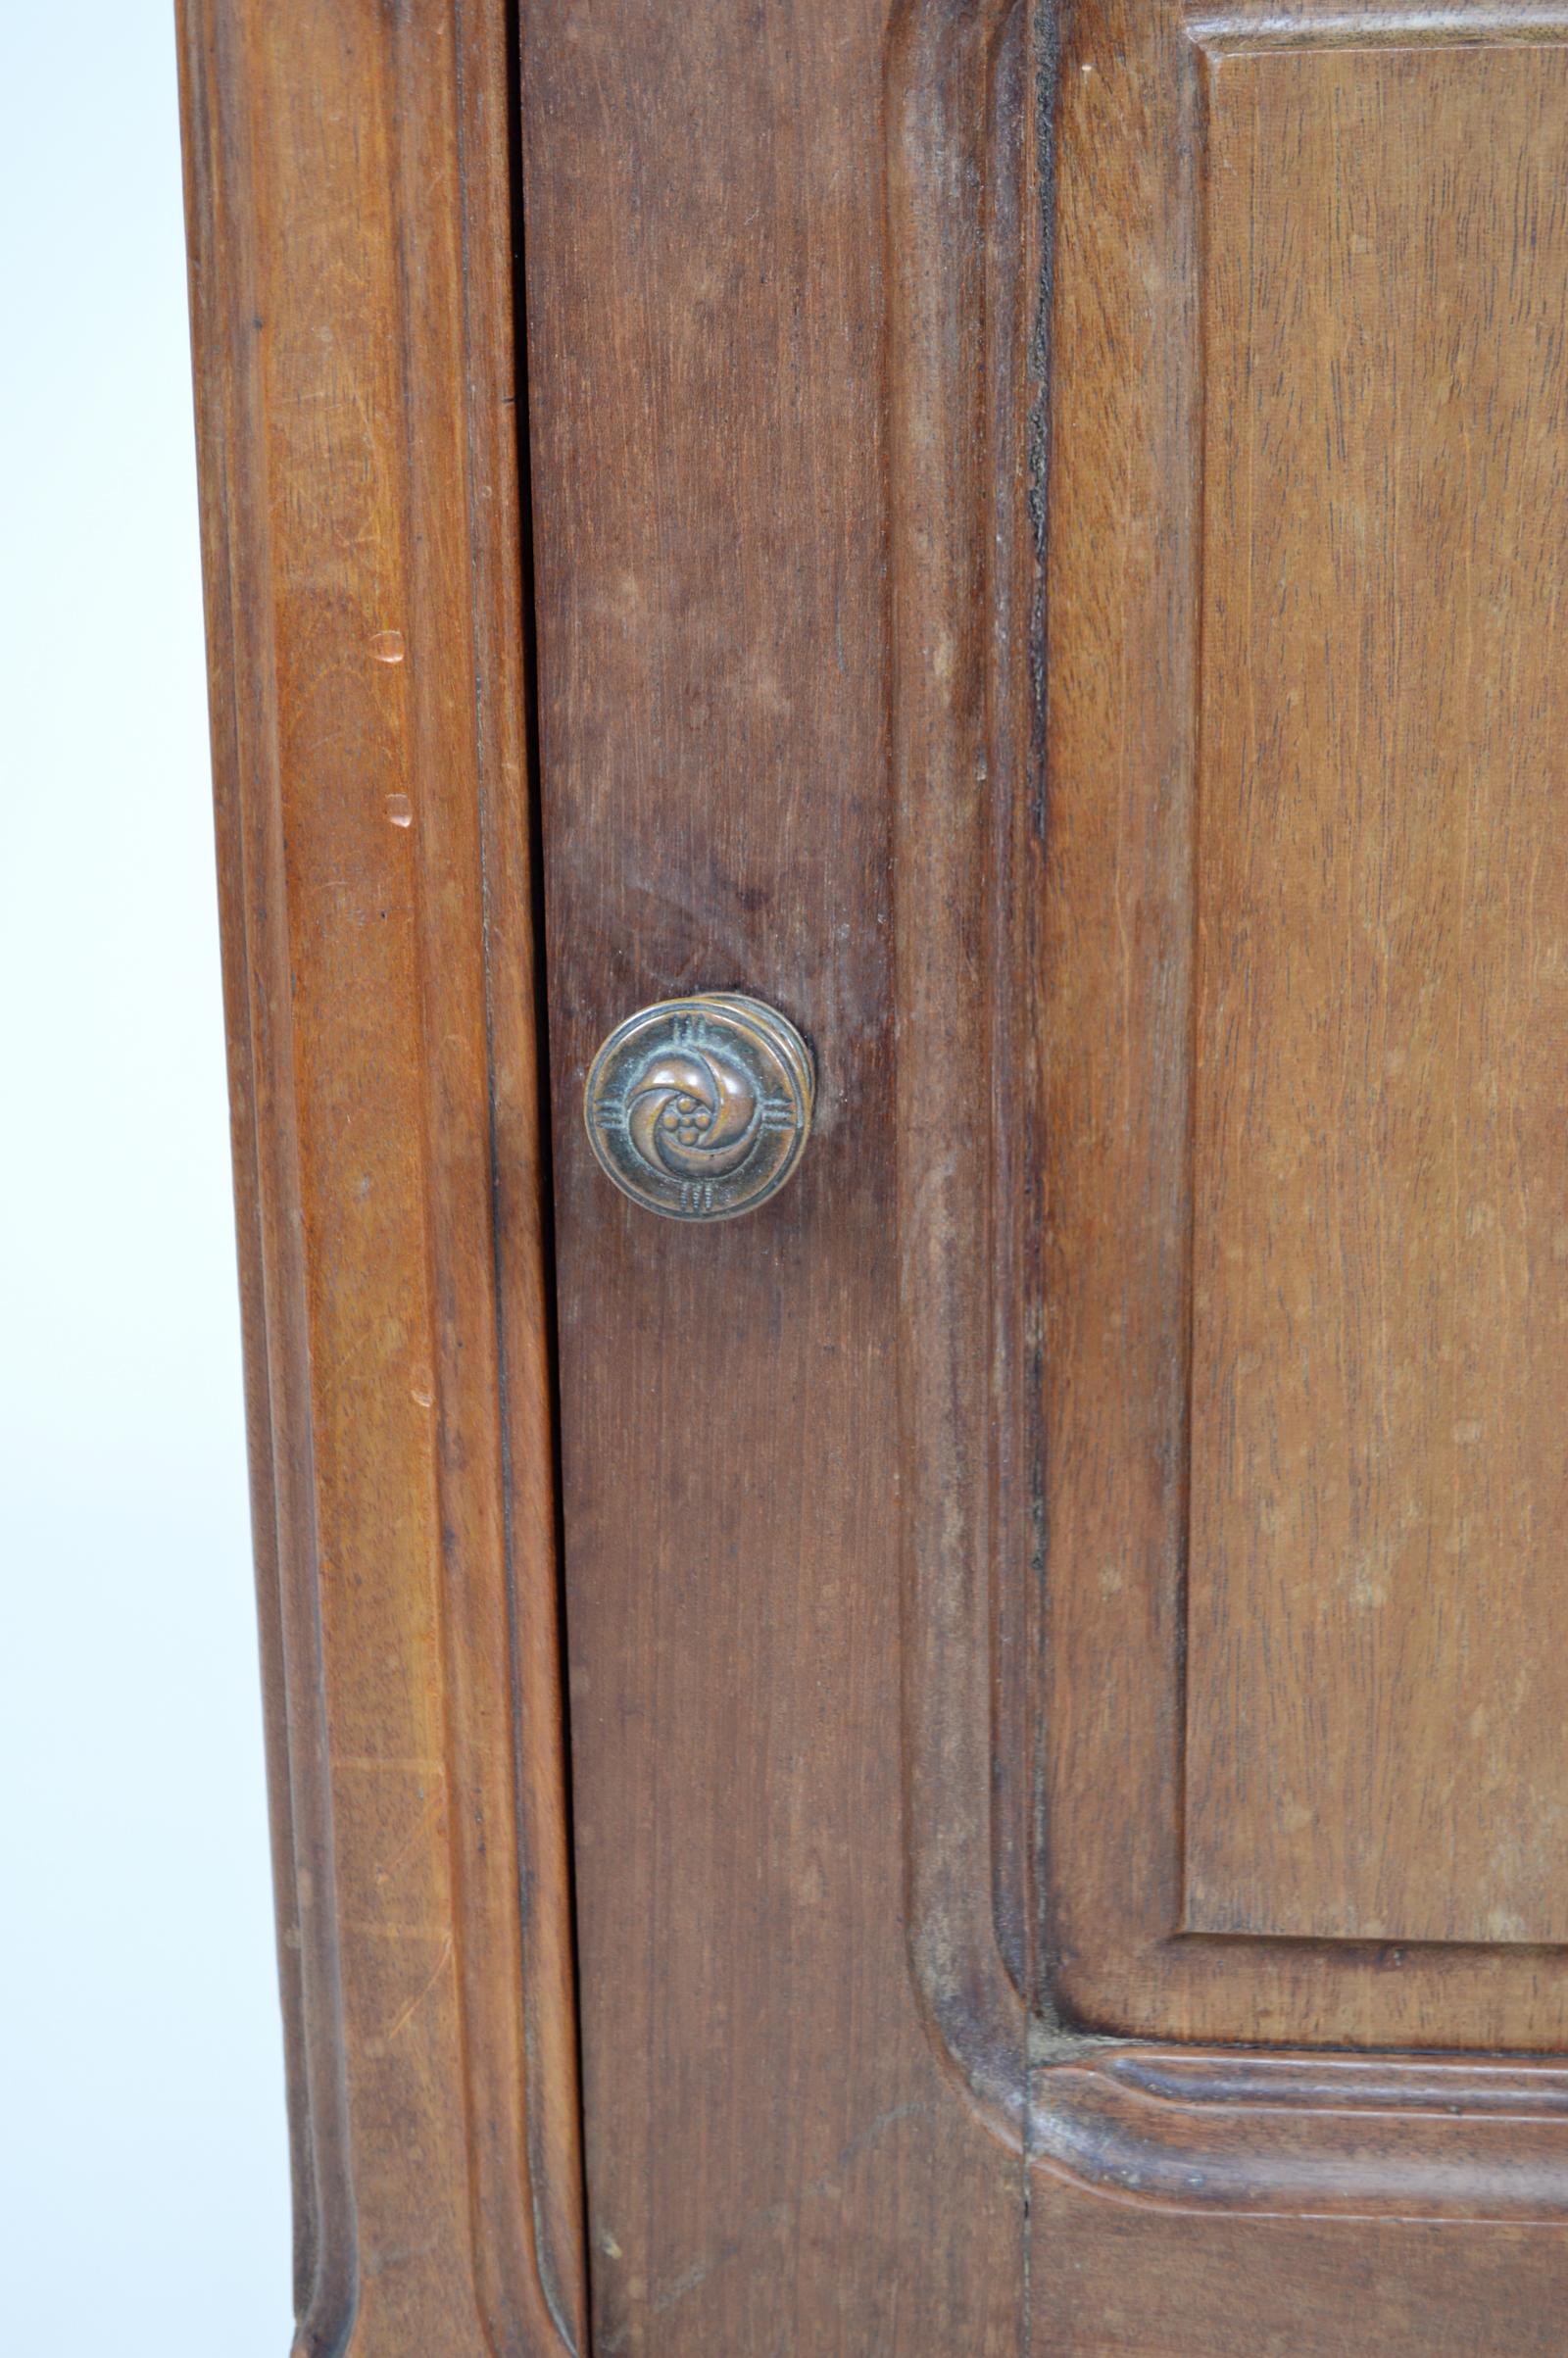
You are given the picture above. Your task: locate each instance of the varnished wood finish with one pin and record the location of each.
(1020, 590)
(1119, 2279)
(348, 212)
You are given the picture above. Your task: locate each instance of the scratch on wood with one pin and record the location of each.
(424, 1991)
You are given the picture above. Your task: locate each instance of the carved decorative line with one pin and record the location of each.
(1376, 23)
(1516, 2089)
(946, 190)
(543, 2177)
(1303, 2135)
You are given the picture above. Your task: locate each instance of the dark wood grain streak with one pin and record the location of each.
(348, 208)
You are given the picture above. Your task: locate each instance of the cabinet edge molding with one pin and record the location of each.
(349, 209)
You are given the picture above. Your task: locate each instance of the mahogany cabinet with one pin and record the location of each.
(918, 1683)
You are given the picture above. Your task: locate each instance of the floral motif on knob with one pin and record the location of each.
(699, 1108)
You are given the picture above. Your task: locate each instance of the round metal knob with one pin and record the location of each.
(699, 1108)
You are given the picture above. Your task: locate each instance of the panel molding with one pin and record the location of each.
(1311, 2136)
(348, 196)
(1256, 25)
(1223, 2130)
(957, 435)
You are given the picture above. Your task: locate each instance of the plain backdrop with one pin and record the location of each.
(143, 2201)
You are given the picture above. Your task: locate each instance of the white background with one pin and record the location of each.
(143, 2205)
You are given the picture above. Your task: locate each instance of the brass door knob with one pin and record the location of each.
(699, 1108)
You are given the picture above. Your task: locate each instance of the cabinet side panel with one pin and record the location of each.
(350, 227)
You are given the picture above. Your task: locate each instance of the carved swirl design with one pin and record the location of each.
(699, 1108)
(693, 1115)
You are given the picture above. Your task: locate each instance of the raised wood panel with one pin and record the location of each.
(1205, 2130)
(1300, 1063)
(1379, 1486)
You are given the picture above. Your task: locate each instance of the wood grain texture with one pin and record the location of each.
(348, 184)
(772, 2135)
(1149, 688)
(1379, 1496)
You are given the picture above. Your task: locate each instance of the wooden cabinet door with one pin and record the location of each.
(969, 1757)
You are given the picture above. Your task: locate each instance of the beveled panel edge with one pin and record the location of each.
(1311, 2136)
(1202, 2129)
(443, 279)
